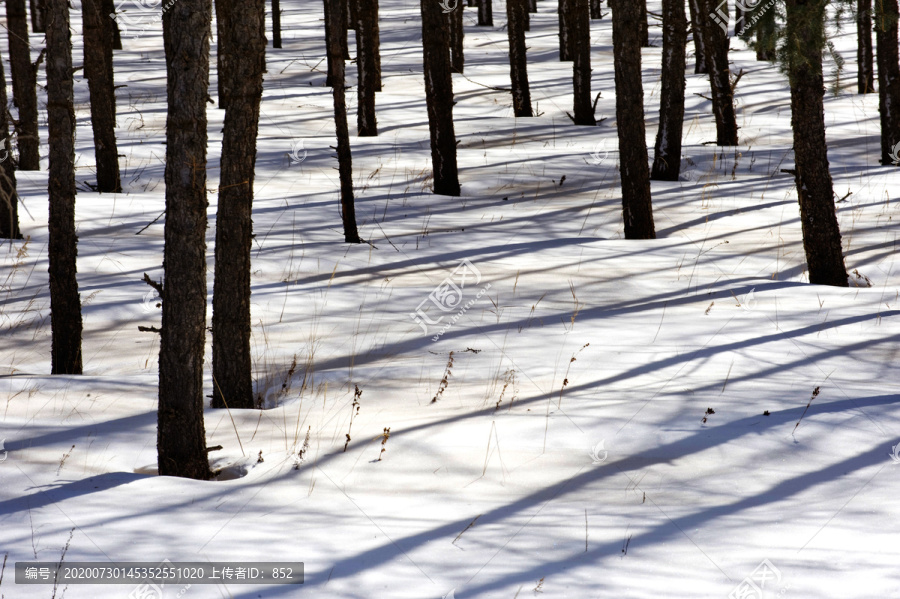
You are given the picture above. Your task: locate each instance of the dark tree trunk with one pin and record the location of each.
(580, 24)
(9, 198)
(376, 41)
(366, 38)
(667, 156)
(457, 36)
(221, 8)
(342, 37)
(439, 98)
(596, 9)
(888, 79)
(532, 6)
(699, 53)
(38, 23)
(181, 435)
(566, 48)
(351, 14)
(645, 27)
(345, 165)
(634, 172)
(765, 34)
(865, 78)
(485, 13)
(739, 16)
(805, 38)
(518, 60)
(24, 86)
(108, 11)
(97, 68)
(245, 40)
(276, 23)
(715, 44)
(65, 303)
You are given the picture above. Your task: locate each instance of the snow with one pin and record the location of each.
(588, 478)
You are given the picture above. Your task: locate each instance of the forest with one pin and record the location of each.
(294, 294)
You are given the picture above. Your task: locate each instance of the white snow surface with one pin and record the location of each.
(533, 474)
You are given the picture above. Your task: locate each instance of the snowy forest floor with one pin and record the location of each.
(573, 450)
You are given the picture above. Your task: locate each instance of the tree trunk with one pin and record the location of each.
(375, 36)
(766, 34)
(9, 198)
(97, 68)
(351, 14)
(596, 9)
(221, 8)
(565, 30)
(645, 27)
(342, 38)
(580, 24)
(805, 38)
(715, 44)
(181, 436)
(457, 36)
(888, 79)
(38, 23)
(518, 60)
(107, 11)
(366, 124)
(65, 303)
(439, 98)
(699, 53)
(276, 23)
(485, 13)
(634, 172)
(532, 6)
(667, 156)
(865, 78)
(345, 166)
(24, 86)
(245, 40)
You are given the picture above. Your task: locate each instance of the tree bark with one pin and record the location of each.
(645, 27)
(342, 38)
(221, 8)
(865, 77)
(181, 436)
(699, 53)
(439, 98)
(667, 155)
(98, 69)
(65, 302)
(9, 197)
(634, 172)
(245, 40)
(345, 165)
(24, 86)
(886, 12)
(566, 48)
(457, 36)
(715, 44)
(518, 60)
(38, 23)
(276, 23)
(765, 34)
(107, 11)
(805, 38)
(485, 13)
(580, 23)
(366, 123)
(596, 9)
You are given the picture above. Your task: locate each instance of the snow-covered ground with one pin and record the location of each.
(618, 418)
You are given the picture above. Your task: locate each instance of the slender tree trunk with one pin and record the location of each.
(457, 36)
(221, 8)
(181, 435)
(439, 98)
(245, 40)
(865, 78)
(345, 166)
(342, 37)
(635, 174)
(485, 13)
(351, 14)
(581, 67)
(9, 197)
(805, 38)
(715, 44)
(24, 86)
(518, 60)
(565, 30)
(276, 23)
(532, 6)
(38, 23)
(366, 123)
(765, 34)
(108, 10)
(65, 302)
(645, 27)
(596, 9)
(886, 39)
(376, 41)
(667, 156)
(98, 67)
(699, 52)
